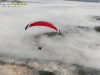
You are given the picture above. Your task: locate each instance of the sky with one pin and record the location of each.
(76, 45)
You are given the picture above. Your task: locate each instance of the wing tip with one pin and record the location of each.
(26, 27)
(59, 31)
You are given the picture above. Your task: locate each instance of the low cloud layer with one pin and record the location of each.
(76, 45)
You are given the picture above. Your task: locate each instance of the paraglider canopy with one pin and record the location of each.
(42, 23)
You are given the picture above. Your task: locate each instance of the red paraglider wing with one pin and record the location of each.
(42, 23)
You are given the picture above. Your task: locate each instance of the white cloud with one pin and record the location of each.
(76, 46)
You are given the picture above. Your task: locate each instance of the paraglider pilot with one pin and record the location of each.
(40, 47)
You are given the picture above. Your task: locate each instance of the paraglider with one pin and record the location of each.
(42, 23)
(45, 24)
